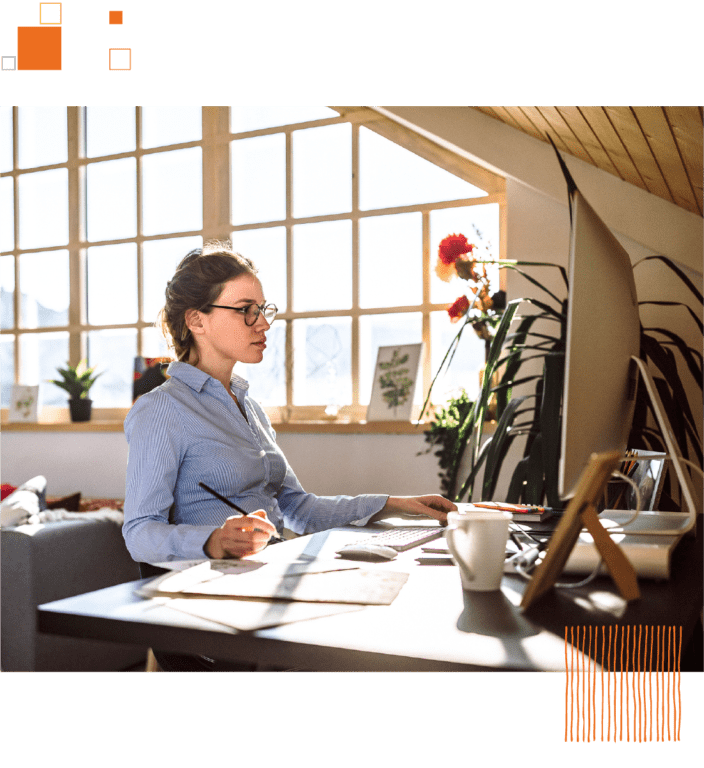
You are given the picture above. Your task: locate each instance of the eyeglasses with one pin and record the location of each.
(252, 311)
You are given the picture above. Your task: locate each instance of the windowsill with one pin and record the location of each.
(290, 427)
(282, 428)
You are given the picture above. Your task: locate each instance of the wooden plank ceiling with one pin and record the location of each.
(658, 149)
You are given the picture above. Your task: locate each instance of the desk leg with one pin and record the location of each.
(152, 663)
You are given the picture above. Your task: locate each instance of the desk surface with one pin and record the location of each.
(432, 625)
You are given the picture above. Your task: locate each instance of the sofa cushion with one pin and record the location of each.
(29, 499)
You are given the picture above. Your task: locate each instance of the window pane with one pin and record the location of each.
(382, 331)
(268, 379)
(110, 130)
(322, 170)
(160, 259)
(112, 284)
(391, 176)
(6, 140)
(7, 291)
(7, 369)
(113, 353)
(43, 201)
(391, 260)
(41, 354)
(322, 373)
(322, 266)
(480, 225)
(44, 286)
(258, 179)
(255, 118)
(162, 126)
(111, 199)
(267, 249)
(173, 191)
(42, 136)
(468, 360)
(7, 214)
(154, 344)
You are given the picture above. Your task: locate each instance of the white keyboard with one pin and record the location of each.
(405, 537)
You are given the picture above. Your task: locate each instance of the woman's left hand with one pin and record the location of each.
(432, 506)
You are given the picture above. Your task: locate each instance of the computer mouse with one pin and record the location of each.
(374, 553)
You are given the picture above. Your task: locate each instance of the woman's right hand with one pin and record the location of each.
(240, 536)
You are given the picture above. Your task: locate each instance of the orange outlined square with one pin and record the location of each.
(50, 23)
(120, 58)
(119, 69)
(38, 47)
(116, 17)
(50, 13)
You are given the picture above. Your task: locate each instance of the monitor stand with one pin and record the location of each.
(650, 540)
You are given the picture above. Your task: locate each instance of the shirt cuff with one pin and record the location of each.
(371, 504)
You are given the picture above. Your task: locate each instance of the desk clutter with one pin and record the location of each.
(249, 594)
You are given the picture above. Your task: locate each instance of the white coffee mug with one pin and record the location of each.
(477, 541)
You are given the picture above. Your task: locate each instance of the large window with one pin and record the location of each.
(98, 205)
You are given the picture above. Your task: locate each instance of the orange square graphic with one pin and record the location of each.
(128, 68)
(38, 47)
(116, 17)
(51, 23)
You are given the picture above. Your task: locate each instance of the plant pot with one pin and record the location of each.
(80, 408)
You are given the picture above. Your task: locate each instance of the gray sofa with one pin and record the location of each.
(49, 561)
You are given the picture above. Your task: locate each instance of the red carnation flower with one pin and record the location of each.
(452, 247)
(458, 309)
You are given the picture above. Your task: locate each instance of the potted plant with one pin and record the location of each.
(77, 381)
(536, 416)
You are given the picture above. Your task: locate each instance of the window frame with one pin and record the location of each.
(215, 147)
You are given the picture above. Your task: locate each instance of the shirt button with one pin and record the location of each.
(262, 453)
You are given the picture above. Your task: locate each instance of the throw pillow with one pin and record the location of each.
(27, 500)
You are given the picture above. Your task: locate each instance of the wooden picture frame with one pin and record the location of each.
(581, 513)
(24, 404)
(394, 385)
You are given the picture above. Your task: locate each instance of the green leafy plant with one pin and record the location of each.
(77, 380)
(443, 435)
(536, 416)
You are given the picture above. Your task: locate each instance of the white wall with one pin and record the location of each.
(90, 462)
(94, 463)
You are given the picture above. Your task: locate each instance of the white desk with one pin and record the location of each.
(431, 625)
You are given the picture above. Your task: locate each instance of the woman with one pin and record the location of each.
(202, 426)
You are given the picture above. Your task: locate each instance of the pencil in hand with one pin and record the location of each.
(230, 504)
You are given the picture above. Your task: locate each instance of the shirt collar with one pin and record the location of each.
(196, 379)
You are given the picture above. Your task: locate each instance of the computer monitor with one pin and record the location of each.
(603, 334)
(602, 362)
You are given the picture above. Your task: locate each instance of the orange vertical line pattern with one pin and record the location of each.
(650, 683)
(657, 688)
(572, 683)
(584, 689)
(603, 644)
(679, 687)
(674, 683)
(567, 684)
(663, 687)
(620, 715)
(611, 681)
(633, 684)
(571, 699)
(608, 684)
(589, 687)
(641, 682)
(596, 645)
(656, 680)
(670, 660)
(575, 687)
(577, 680)
(627, 681)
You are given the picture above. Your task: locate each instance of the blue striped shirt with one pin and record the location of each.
(189, 430)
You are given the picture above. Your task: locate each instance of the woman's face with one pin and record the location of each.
(222, 335)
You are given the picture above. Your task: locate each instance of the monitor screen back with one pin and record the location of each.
(603, 333)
